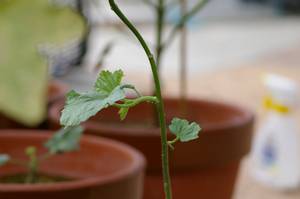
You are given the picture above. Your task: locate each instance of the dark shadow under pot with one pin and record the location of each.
(102, 168)
(204, 168)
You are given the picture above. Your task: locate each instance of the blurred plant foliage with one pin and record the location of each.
(23, 73)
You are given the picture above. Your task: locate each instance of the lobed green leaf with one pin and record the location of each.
(183, 130)
(80, 107)
(108, 81)
(65, 140)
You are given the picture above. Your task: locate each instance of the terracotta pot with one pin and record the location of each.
(206, 167)
(102, 168)
(56, 90)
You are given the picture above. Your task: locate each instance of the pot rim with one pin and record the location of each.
(138, 163)
(246, 116)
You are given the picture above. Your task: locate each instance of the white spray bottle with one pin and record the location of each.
(276, 155)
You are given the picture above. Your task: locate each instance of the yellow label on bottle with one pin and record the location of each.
(271, 104)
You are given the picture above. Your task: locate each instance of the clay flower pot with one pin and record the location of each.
(204, 168)
(56, 90)
(102, 168)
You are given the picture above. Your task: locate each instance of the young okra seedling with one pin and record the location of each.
(65, 140)
(110, 91)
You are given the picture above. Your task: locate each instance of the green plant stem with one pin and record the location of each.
(128, 86)
(172, 142)
(160, 16)
(159, 105)
(159, 49)
(134, 102)
(32, 165)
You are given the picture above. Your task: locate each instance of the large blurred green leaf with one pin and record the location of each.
(23, 72)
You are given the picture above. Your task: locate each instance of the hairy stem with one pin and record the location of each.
(159, 105)
(159, 49)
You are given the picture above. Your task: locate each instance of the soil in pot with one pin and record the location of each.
(213, 158)
(102, 168)
(40, 178)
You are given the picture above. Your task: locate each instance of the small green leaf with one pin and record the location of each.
(108, 81)
(72, 95)
(183, 130)
(30, 151)
(65, 140)
(80, 107)
(123, 112)
(4, 158)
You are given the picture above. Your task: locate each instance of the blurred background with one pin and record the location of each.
(230, 45)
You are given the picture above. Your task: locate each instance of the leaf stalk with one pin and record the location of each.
(133, 102)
